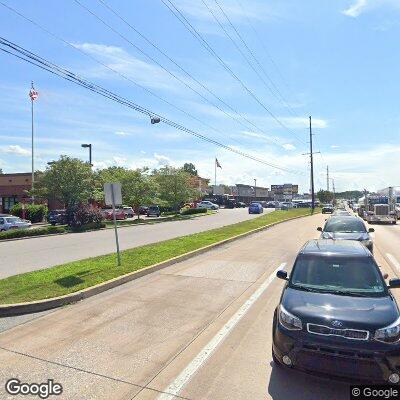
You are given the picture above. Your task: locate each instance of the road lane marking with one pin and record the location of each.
(393, 261)
(186, 375)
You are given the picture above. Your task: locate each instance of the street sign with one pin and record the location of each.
(113, 196)
(109, 188)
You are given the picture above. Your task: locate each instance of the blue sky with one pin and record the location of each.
(336, 60)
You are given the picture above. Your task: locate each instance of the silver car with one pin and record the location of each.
(7, 223)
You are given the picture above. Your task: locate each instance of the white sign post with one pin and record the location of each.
(113, 196)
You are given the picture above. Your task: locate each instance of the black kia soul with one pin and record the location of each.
(336, 315)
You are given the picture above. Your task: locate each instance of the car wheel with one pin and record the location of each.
(53, 223)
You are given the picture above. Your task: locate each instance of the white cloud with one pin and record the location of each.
(288, 146)
(17, 150)
(356, 8)
(360, 6)
(122, 133)
(162, 160)
(299, 122)
(120, 161)
(335, 146)
(120, 60)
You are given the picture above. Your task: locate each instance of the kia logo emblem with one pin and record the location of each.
(337, 324)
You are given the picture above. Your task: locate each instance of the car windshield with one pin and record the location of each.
(340, 275)
(344, 225)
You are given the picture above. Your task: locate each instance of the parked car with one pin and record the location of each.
(240, 204)
(207, 204)
(255, 208)
(7, 223)
(142, 210)
(108, 214)
(153, 211)
(270, 204)
(57, 217)
(128, 212)
(347, 228)
(327, 209)
(336, 315)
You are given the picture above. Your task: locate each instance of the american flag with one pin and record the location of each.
(217, 163)
(33, 94)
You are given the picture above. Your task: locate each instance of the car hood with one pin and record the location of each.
(346, 235)
(369, 313)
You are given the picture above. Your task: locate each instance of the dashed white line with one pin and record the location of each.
(185, 376)
(393, 261)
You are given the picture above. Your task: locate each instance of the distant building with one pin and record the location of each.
(285, 192)
(248, 193)
(13, 189)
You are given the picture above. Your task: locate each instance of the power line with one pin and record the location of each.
(238, 34)
(181, 17)
(261, 41)
(113, 70)
(32, 58)
(118, 15)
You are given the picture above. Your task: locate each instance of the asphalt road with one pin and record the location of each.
(26, 255)
(200, 329)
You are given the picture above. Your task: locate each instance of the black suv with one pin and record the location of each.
(57, 217)
(336, 315)
(347, 228)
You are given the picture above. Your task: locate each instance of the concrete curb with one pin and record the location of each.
(8, 310)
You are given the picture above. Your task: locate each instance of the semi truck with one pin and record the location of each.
(380, 208)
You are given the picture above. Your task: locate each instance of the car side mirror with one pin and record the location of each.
(371, 230)
(319, 229)
(283, 275)
(394, 283)
(385, 276)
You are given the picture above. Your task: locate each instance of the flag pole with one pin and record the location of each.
(33, 162)
(215, 176)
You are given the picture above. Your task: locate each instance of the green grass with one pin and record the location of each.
(78, 275)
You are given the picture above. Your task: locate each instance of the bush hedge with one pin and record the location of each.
(33, 212)
(89, 227)
(189, 211)
(82, 215)
(17, 233)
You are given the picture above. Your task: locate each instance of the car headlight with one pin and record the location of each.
(288, 320)
(389, 334)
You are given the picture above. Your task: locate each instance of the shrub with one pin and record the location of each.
(89, 227)
(33, 212)
(168, 213)
(17, 233)
(189, 211)
(83, 215)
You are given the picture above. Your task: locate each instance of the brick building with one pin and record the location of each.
(13, 189)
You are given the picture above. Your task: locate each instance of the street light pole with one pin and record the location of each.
(88, 145)
(33, 94)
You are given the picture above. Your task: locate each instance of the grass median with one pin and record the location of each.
(78, 275)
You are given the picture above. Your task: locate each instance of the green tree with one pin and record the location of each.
(68, 180)
(138, 188)
(324, 196)
(190, 168)
(1, 171)
(174, 186)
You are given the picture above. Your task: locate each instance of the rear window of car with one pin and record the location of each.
(153, 208)
(12, 220)
(344, 225)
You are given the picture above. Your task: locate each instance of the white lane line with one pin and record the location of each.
(186, 375)
(393, 261)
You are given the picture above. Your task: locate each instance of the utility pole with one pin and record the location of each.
(312, 169)
(255, 188)
(327, 178)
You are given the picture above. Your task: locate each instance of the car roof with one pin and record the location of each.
(345, 217)
(330, 247)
